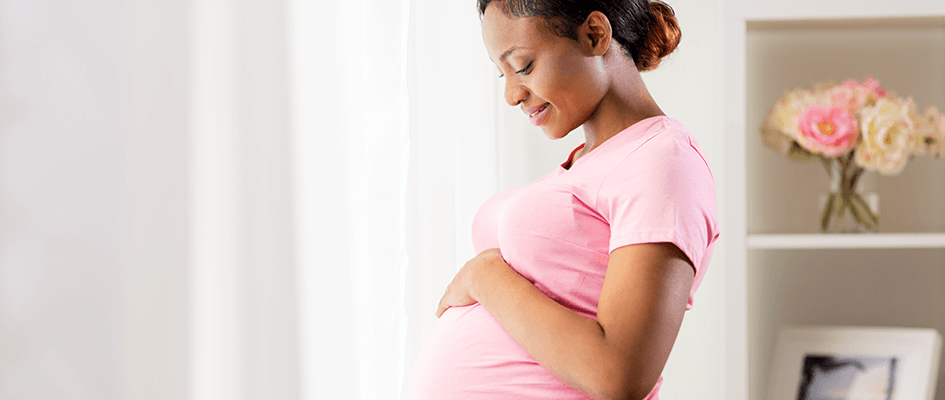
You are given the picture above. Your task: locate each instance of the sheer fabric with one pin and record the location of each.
(393, 151)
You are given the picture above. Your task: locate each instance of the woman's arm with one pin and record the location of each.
(619, 356)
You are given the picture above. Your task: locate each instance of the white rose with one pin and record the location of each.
(888, 136)
(930, 130)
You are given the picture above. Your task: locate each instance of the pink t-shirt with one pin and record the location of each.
(648, 184)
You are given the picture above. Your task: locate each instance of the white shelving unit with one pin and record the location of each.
(780, 270)
(848, 241)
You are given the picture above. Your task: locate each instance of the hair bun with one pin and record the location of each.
(662, 38)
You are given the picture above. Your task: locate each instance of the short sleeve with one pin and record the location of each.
(663, 192)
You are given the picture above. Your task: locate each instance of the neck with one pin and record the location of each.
(624, 104)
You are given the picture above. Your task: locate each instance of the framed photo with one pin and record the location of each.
(820, 363)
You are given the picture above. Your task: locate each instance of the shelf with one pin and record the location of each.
(848, 241)
(780, 270)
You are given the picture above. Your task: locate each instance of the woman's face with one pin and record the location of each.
(558, 82)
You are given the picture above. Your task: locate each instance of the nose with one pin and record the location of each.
(515, 94)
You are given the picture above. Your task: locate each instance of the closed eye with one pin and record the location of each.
(523, 71)
(526, 70)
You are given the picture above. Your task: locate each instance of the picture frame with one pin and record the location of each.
(855, 363)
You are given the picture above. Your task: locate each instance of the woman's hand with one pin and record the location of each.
(480, 270)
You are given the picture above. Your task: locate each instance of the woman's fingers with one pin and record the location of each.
(453, 298)
(459, 291)
(441, 308)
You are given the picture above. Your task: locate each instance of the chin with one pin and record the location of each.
(552, 133)
(555, 133)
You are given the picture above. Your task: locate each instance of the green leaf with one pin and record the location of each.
(873, 219)
(826, 162)
(844, 202)
(854, 209)
(828, 211)
(798, 153)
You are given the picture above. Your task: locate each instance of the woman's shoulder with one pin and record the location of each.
(666, 171)
(664, 144)
(667, 160)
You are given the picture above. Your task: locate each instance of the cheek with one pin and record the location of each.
(578, 91)
(589, 80)
(579, 74)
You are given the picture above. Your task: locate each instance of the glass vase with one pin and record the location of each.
(846, 209)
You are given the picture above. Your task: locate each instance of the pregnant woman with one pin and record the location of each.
(582, 277)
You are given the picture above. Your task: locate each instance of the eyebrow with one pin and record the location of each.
(509, 52)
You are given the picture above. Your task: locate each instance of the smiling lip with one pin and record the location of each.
(536, 114)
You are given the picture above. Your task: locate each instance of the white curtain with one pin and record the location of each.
(392, 107)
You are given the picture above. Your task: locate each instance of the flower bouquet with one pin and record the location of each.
(852, 127)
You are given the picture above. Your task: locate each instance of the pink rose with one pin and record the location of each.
(872, 86)
(847, 96)
(831, 131)
(850, 83)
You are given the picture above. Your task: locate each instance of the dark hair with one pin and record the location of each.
(646, 30)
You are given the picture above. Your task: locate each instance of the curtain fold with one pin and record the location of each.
(454, 163)
(393, 147)
(350, 153)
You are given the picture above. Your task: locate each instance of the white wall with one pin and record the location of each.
(688, 86)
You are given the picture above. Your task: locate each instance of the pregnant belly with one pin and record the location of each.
(470, 356)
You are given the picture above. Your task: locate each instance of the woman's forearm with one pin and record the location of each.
(618, 356)
(572, 347)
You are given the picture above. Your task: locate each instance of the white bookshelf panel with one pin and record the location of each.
(848, 241)
(756, 10)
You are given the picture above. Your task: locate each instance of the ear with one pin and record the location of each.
(595, 34)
